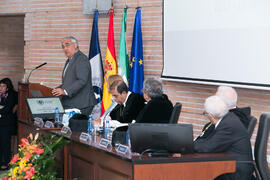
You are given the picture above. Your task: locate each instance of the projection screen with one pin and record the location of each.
(217, 42)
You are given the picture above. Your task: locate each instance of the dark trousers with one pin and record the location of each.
(5, 145)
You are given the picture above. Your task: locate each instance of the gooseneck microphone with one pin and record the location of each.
(108, 111)
(43, 64)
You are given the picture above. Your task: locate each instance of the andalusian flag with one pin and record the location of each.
(110, 65)
(136, 74)
(123, 64)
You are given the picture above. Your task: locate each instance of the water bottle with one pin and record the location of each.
(70, 114)
(90, 124)
(127, 138)
(56, 115)
(107, 129)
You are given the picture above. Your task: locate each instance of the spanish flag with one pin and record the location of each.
(110, 65)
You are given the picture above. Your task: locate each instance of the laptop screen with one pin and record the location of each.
(44, 107)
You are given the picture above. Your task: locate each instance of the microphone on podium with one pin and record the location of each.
(39, 66)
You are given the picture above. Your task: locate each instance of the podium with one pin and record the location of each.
(25, 122)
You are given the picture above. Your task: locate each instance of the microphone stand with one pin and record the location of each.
(27, 80)
(107, 112)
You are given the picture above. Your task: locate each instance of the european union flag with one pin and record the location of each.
(136, 75)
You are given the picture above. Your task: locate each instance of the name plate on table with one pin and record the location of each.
(38, 122)
(66, 130)
(122, 149)
(85, 137)
(49, 124)
(105, 143)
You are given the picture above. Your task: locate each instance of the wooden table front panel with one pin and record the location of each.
(87, 163)
(183, 171)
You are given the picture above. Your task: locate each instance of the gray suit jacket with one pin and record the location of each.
(77, 82)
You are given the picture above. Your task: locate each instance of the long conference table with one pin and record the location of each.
(87, 161)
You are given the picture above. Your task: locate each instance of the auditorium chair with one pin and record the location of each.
(251, 125)
(175, 113)
(260, 150)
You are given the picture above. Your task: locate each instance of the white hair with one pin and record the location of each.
(215, 106)
(228, 95)
(72, 39)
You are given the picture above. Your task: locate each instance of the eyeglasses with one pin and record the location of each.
(205, 113)
(66, 45)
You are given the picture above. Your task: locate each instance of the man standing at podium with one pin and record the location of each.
(76, 88)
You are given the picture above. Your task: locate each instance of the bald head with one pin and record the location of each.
(228, 95)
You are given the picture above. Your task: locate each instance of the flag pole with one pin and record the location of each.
(126, 4)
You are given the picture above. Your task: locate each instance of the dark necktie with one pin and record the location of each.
(121, 109)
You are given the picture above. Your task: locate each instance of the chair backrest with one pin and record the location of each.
(246, 110)
(175, 113)
(260, 151)
(251, 125)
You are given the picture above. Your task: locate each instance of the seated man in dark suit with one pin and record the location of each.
(129, 104)
(229, 136)
(158, 108)
(229, 96)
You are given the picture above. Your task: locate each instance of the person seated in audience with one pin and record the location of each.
(229, 96)
(229, 136)
(129, 104)
(7, 120)
(158, 108)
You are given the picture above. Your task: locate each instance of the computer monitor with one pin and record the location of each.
(44, 107)
(171, 138)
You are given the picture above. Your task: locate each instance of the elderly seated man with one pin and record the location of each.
(229, 136)
(229, 96)
(158, 108)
